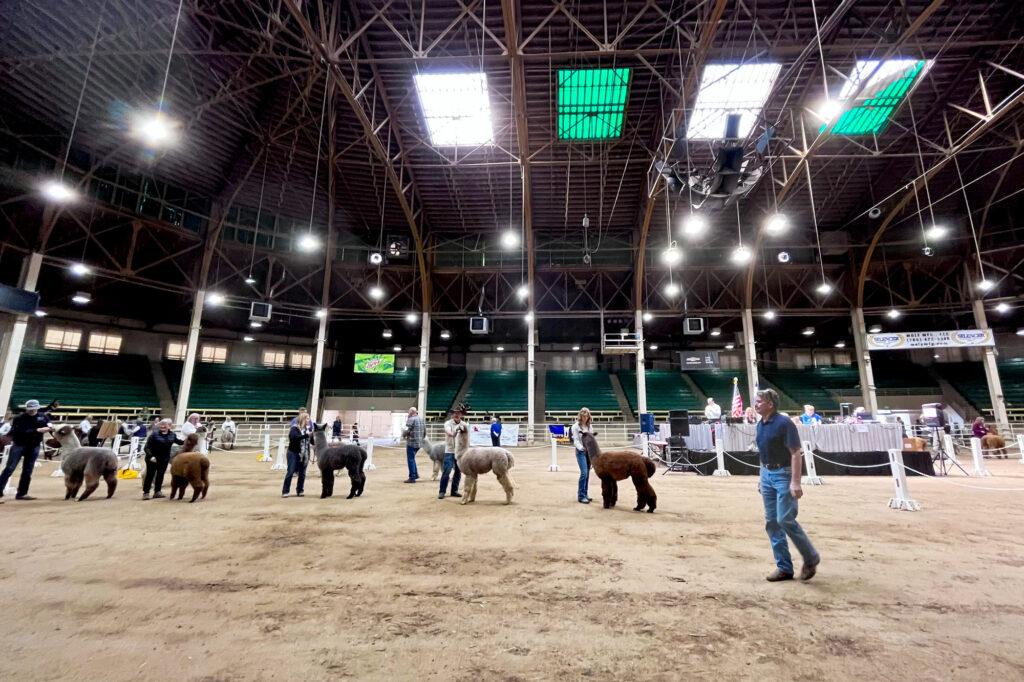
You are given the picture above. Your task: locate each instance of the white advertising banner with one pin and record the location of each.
(958, 338)
(480, 434)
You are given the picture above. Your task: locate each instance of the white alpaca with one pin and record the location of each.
(480, 460)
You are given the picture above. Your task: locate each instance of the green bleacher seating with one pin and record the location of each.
(968, 378)
(717, 384)
(443, 385)
(892, 377)
(402, 381)
(85, 379)
(814, 385)
(666, 390)
(570, 390)
(238, 387)
(498, 391)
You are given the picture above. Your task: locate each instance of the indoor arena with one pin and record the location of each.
(511, 339)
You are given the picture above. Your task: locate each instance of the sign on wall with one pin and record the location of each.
(480, 434)
(705, 359)
(958, 338)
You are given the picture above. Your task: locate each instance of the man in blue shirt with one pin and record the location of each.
(495, 431)
(779, 452)
(27, 431)
(810, 416)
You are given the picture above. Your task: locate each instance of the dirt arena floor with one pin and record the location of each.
(399, 585)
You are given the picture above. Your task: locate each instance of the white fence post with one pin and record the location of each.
(281, 463)
(1020, 447)
(719, 434)
(370, 466)
(266, 445)
(117, 444)
(554, 456)
(133, 446)
(949, 448)
(979, 460)
(811, 477)
(3, 463)
(902, 499)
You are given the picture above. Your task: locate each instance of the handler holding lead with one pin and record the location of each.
(779, 452)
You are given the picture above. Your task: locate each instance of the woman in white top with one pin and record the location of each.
(584, 424)
(192, 426)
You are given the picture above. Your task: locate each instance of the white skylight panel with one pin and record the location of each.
(456, 107)
(889, 68)
(730, 89)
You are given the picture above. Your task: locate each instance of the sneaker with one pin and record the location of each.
(808, 570)
(778, 576)
(409, 480)
(157, 496)
(584, 500)
(27, 498)
(456, 494)
(284, 494)
(300, 494)
(440, 496)
(145, 496)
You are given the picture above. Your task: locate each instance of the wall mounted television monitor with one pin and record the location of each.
(374, 363)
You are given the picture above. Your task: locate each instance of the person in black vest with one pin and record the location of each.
(26, 433)
(336, 428)
(158, 456)
(298, 455)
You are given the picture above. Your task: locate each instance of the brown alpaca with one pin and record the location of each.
(618, 465)
(190, 468)
(993, 441)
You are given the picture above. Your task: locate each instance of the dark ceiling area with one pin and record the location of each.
(301, 119)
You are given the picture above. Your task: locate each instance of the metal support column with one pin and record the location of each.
(750, 353)
(421, 391)
(190, 358)
(995, 387)
(864, 369)
(12, 350)
(641, 366)
(318, 367)
(531, 379)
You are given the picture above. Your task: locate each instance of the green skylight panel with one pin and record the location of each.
(592, 103)
(880, 99)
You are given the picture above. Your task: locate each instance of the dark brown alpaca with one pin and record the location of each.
(190, 468)
(617, 465)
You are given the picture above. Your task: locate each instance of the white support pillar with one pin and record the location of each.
(720, 469)
(901, 500)
(641, 366)
(979, 459)
(750, 354)
(318, 368)
(531, 379)
(867, 375)
(810, 476)
(190, 358)
(16, 340)
(421, 390)
(995, 387)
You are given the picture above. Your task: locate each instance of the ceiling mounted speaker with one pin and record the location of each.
(875, 212)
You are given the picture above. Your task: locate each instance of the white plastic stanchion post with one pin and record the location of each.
(370, 466)
(554, 456)
(133, 454)
(3, 464)
(979, 460)
(281, 463)
(902, 499)
(266, 446)
(720, 469)
(811, 476)
(133, 445)
(117, 444)
(949, 448)
(1020, 447)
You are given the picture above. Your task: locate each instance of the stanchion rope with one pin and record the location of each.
(962, 485)
(752, 466)
(849, 466)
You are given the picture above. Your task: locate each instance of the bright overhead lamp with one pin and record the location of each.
(986, 284)
(694, 226)
(376, 258)
(81, 298)
(397, 349)
(575, 348)
(510, 239)
(875, 329)
(776, 224)
(893, 314)
(248, 339)
(730, 346)
(412, 318)
(322, 313)
(671, 255)
(936, 232)
(215, 298)
(647, 317)
(829, 109)
(308, 242)
(456, 108)
(783, 256)
(386, 333)
(445, 334)
(808, 331)
(879, 99)
(80, 269)
(725, 89)
(840, 344)
(376, 292)
(715, 331)
(40, 313)
(741, 255)
(769, 314)
(653, 346)
(58, 191)
(255, 325)
(1020, 331)
(500, 348)
(522, 292)
(824, 288)
(528, 317)
(671, 289)
(592, 103)
(154, 129)
(250, 280)
(1003, 307)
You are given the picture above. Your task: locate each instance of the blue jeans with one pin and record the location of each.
(295, 466)
(583, 461)
(16, 454)
(410, 459)
(449, 464)
(780, 509)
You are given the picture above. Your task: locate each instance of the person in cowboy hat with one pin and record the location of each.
(27, 431)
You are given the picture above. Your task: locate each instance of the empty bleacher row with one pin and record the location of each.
(241, 387)
(84, 379)
(968, 378)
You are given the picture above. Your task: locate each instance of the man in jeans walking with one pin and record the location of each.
(451, 428)
(779, 452)
(415, 430)
(27, 431)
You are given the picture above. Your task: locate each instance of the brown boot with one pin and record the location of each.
(808, 570)
(778, 576)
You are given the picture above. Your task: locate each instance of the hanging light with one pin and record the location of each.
(154, 129)
(376, 292)
(985, 284)
(500, 349)
(671, 255)
(808, 331)
(250, 280)
(81, 298)
(80, 269)
(1003, 307)
(1020, 331)
(386, 333)
(776, 224)
(445, 334)
(936, 232)
(248, 339)
(730, 346)
(647, 317)
(694, 226)
(840, 344)
(308, 242)
(829, 109)
(653, 346)
(215, 298)
(376, 258)
(397, 349)
(510, 239)
(741, 255)
(528, 317)
(322, 313)
(412, 318)
(58, 191)
(769, 314)
(575, 348)
(893, 314)
(40, 313)
(783, 256)
(671, 289)
(255, 325)
(715, 331)
(824, 288)
(875, 329)
(522, 292)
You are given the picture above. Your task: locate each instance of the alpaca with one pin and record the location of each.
(190, 467)
(227, 439)
(994, 442)
(348, 456)
(480, 460)
(435, 451)
(617, 465)
(85, 464)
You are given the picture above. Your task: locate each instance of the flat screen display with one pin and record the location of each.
(374, 363)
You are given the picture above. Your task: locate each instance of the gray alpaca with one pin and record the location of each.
(351, 457)
(85, 464)
(479, 460)
(436, 454)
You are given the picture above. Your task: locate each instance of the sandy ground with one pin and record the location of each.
(399, 585)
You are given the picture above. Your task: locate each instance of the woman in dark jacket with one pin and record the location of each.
(298, 455)
(158, 455)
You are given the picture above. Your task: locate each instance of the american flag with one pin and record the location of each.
(737, 399)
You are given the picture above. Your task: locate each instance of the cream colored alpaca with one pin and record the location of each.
(480, 460)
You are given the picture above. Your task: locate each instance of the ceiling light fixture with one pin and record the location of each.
(936, 232)
(653, 346)
(255, 325)
(376, 292)
(840, 344)
(40, 313)
(783, 256)
(81, 298)
(741, 255)
(776, 224)
(575, 348)
(250, 280)
(986, 284)
(694, 226)
(715, 331)
(522, 292)
(730, 346)
(1003, 307)
(386, 333)
(80, 269)
(808, 331)
(500, 348)
(671, 255)
(647, 317)
(58, 191)
(412, 318)
(769, 314)
(154, 129)
(1020, 331)
(308, 242)
(875, 329)
(322, 313)
(445, 334)
(248, 339)
(893, 314)
(528, 317)
(215, 298)
(397, 349)
(671, 289)
(824, 288)
(376, 258)
(510, 239)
